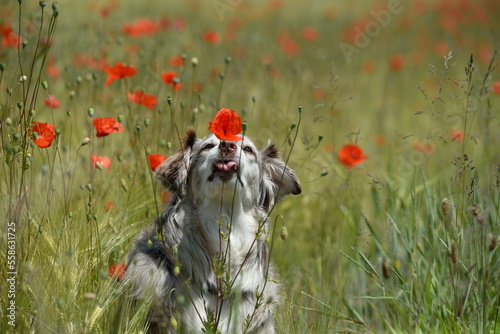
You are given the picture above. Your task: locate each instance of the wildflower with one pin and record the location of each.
(117, 271)
(108, 205)
(119, 71)
(424, 147)
(139, 97)
(53, 71)
(212, 37)
(226, 125)
(169, 78)
(176, 61)
(368, 67)
(106, 125)
(9, 38)
(100, 162)
(310, 34)
(52, 101)
(141, 27)
(155, 160)
(456, 135)
(495, 87)
(288, 45)
(396, 62)
(45, 134)
(351, 155)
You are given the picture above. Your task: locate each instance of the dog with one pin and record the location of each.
(205, 260)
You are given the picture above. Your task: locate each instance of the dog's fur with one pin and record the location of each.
(205, 259)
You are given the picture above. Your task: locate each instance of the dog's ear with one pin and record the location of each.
(173, 172)
(278, 179)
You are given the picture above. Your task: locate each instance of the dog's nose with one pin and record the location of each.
(227, 147)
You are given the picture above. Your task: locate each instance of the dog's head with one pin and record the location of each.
(208, 168)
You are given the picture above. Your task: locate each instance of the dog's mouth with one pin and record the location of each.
(225, 170)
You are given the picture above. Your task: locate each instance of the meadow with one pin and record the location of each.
(399, 236)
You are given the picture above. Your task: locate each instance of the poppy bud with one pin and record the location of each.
(244, 126)
(89, 187)
(150, 243)
(194, 61)
(169, 100)
(173, 323)
(55, 6)
(320, 138)
(24, 43)
(23, 78)
(221, 75)
(42, 4)
(119, 118)
(79, 79)
(85, 141)
(8, 121)
(146, 122)
(19, 105)
(32, 113)
(300, 109)
(324, 172)
(283, 233)
(2, 67)
(57, 131)
(45, 85)
(90, 112)
(228, 60)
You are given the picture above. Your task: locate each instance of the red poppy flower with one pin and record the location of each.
(97, 161)
(118, 71)
(155, 160)
(226, 125)
(117, 271)
(45, 134)
(139, 97)
(495, 87)
(53, 71)
(109, 205)
(212, 37)
(141, 27)
(106, 125)
(52, 101)
(396, 62)
(456, 135)
(424, 147)
(80, 60)
(9, 38)
(176, 61)
(351, 155)
(288, 45)
(310, 34)
(169, 76)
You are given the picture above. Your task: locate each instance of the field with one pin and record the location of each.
(399, 236)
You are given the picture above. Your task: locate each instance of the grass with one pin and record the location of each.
(407, 241)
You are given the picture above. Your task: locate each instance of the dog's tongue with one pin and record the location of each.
(226, 166)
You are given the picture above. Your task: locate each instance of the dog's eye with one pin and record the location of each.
(248, 149)
(208, 146)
